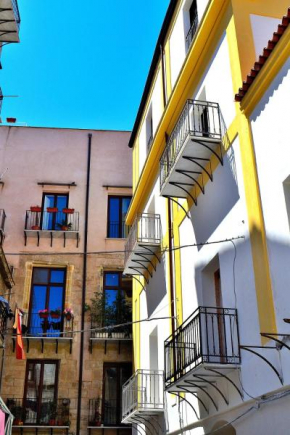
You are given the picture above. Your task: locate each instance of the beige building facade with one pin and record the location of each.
(65, 193)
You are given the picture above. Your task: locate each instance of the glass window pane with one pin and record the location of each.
(40, 275)
(111, 280)
(110, 316)
(114, 207)
(57, 276)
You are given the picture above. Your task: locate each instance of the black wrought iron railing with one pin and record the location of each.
(51, 221)
(145, 229)
(47, 325)
(45, 412)
(117, 230)
(191, 32)
(201, 119)
(149, 142)
(104, 412)
(144, 391)
(2, 223)
(16, 11)
(210, 335)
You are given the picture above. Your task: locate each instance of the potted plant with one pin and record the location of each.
(43, 314)
(52, 413)
(17, 412)
(65, 226)
(55, 314)
(68, 313)
(35, 227)
(68, 210)
(35, 208)
(96, 419)
(52, 209)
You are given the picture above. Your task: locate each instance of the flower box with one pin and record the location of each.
(68, 210)
(35, 208)
(43, 315)
(35, 227)
(52, 209)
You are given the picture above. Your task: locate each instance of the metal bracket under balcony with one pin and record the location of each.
(204, 349)
(186, 159)
(143, 245)
(9, 21)
(2, 224)
(143, 396)
(46, 330)
(51, 225)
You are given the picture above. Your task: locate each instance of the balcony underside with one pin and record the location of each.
(51, 234)
(142, 258)
(200, 377)
(9, 27)
(42, 340)
(190, 166)
(141, 413)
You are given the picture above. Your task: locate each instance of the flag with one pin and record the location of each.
(20, 354)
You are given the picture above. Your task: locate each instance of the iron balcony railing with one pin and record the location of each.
(117, 230)
(208, 336)
(149, 142)
(45, 412)
(143, 392)
(124, 332)
(1, 99)
(198, 118)
(191, 32)
(50, 325)
(104, 412)
(51, 221)
(146, 230)
(16, 11)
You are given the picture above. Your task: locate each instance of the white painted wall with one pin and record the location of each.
(270, 126)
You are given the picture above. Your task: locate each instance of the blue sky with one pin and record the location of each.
(80, 63)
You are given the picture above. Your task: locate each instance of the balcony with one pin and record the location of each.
(105, 415)
(197, 136)
(9, 21)
(143, 243)
(51, 224)
(111, 334)
(46, 328)
(191, 33)
(2, 224)
(30, 413)
(204, 348)
(143, 395)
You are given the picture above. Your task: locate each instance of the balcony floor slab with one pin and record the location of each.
(140, 257)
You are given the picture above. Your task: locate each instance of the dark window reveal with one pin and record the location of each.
(115, 375)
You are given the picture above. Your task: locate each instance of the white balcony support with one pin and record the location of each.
(9, 21)
(143, 244)
(143, 395)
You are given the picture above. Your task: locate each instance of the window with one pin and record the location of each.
(191, 23)
(47, 293)
(149, 129)
(115, 375)
(40, 393)
(117, 299)
(117, 209)
(54, 221)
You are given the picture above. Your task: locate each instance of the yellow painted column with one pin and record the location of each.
(263, 284)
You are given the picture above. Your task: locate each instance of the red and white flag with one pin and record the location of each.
(20, 354)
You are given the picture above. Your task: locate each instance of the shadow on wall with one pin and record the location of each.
(283, 73)
(156, 289)
(220, 197)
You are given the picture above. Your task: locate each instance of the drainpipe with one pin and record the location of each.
(81, 363)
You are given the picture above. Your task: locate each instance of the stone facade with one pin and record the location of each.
(60, 156)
